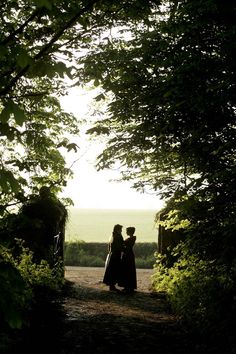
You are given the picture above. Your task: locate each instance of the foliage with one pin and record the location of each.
(39, 275)
(93, 254)
(22, 280)
(170, 127)
(145, 262)
(161, 133)
(32, 123)
(200, 291)
(15, 295)
(40, 43)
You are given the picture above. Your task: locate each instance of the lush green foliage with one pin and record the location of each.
(169, 137)
(14, 293)
(93, 254)
(32, 124)
(40, 41)
(201, 292)
(39, 275)
(22, 280)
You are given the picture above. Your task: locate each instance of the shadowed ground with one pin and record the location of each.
(100, 321)
(89, 319)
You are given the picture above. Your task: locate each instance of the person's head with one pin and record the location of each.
(130, 230)
(117, 229)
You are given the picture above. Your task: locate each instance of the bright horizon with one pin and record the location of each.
(90, 189)
(96, 225)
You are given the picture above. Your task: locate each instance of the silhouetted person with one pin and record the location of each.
(113, 263)
(128, 267)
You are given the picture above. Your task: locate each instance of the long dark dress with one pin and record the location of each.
(128, 268)
(113, 264)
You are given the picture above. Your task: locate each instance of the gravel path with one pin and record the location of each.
(100, 321)
(89, 319)
(92, 277)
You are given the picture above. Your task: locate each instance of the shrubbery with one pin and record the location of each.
(93, 254)
(15, 294)
(21, 282)
(200, 291)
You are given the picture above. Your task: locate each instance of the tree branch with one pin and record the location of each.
(21, 28)
(45, 49)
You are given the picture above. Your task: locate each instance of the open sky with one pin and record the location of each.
(90, 188)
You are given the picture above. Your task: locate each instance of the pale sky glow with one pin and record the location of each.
(92, 189)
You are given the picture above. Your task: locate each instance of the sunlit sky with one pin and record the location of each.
(90, 188)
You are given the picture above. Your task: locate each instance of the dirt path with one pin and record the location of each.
(100, 321)
(89, 319)
(92, 277)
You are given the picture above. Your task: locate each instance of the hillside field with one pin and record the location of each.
(96, 225)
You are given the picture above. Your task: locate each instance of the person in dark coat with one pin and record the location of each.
(113, 261)
(128, 267)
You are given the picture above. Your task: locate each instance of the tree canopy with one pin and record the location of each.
(169, 85)
(171, 111)
(39, 43)
(168, 74)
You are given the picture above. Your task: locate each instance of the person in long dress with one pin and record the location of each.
(113, 261)
(128, 267)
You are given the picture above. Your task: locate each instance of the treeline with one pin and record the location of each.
(93, 254)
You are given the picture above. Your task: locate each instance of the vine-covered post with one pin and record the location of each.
(44, 226)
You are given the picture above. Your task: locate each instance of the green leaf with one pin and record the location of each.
(6, 130)
(8, 181)
(23, 59)
(41, 69)
(3, 51)
(96, 83)
(3, 182)
(44, 3)
(100, 97)
(61, 68)
(19, 114)
(5, 114)
(72, 146)
(12, 108)
(15, 187)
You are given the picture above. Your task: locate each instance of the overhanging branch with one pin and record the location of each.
(45, 48)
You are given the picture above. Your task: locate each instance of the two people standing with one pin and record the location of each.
(120, 266)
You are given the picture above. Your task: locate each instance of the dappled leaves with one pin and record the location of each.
(41, 44)
(171, 108)
(169, 86)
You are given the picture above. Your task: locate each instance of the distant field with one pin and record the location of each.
(96, 225)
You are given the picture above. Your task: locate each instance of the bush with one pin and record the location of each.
(145, 263)
(21, 282)
(15, 294)
(93, 254)
(39, 275)
(201, 292)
